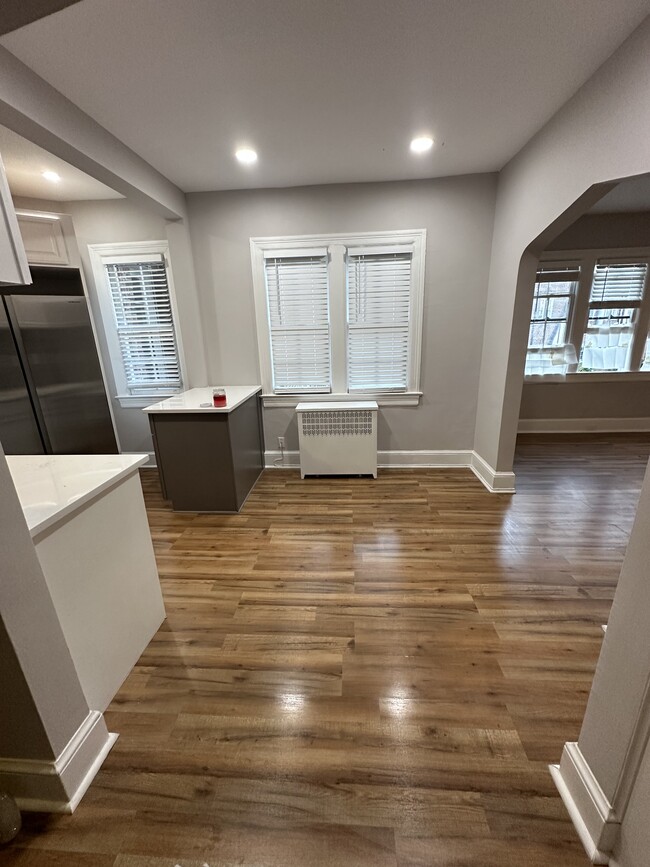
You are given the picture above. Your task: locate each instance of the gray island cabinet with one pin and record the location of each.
(208, 457)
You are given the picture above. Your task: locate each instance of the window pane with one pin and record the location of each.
(298, 314)
(379, 303)
(540, 306)
(555, 334)
(554, 288)
(536, 336)
(543, 361)
(606, 349)
(611, 317)
(558, 308)
(145, 327)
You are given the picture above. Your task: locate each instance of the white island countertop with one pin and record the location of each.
(190, 401)
(51, 487)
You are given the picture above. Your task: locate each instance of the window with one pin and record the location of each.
(617, 291)
(299, 322)
(135, 290)
(548, 348)
(597, 306)
(340, 315)
(379, 297)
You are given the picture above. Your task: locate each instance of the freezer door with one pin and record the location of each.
(59, 349)
(19, 433)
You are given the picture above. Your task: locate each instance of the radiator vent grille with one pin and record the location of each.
(337, 423)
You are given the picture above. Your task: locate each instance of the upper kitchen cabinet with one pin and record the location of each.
(14, 269)
(43, 238)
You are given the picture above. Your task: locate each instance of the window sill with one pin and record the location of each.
(139, 401)
(624, 376)
(401, 398)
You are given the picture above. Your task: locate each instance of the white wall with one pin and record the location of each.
(457, 213)
(633, 845)
(600, 135)
(47, 704)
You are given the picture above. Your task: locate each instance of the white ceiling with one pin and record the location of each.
(24, 162)
(325, 90)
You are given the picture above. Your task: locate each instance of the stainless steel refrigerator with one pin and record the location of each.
(52, 395)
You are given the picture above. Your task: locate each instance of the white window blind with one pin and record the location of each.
(298, 313)
(143, 316)
(379, 301)
(614, 282)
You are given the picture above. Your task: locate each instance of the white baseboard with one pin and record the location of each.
(385, 459)
(588, 807)
(275, 460)
(495, 482)
(57, 786)
(439, 458)
(584, 425)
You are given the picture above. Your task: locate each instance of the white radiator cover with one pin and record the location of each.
(338, 438)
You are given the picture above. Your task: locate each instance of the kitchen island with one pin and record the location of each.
(87, 520)
(208, 457)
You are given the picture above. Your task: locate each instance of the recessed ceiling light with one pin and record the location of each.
(246, 155)
(51, 176)
(422, 144)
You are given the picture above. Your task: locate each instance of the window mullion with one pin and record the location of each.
(338, 318)
(641, 326)
(580, 315)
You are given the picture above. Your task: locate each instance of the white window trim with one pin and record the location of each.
(335, 243)
(98, 253)
(586, 259)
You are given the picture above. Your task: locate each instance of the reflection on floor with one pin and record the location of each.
(359, 672)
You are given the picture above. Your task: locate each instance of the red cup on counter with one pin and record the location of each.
(219, 397)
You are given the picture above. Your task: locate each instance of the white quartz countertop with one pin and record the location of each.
(190, 401)
(51, 487)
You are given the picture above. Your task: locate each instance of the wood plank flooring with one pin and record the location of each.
(358, 672)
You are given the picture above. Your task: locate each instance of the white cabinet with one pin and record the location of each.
(43, 239)
(13, 259)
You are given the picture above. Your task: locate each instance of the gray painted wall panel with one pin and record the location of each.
(457, 213)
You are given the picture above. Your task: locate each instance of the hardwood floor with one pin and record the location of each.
(358, 672)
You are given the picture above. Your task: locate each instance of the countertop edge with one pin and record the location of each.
(70, 508)
(156, 409)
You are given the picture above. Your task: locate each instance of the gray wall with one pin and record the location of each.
(595, 231)
(586, 400)
(105, 222)
(596, 138)
(457, 213)
(591, 399)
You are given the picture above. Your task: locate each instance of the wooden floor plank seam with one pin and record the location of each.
(363, 672)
